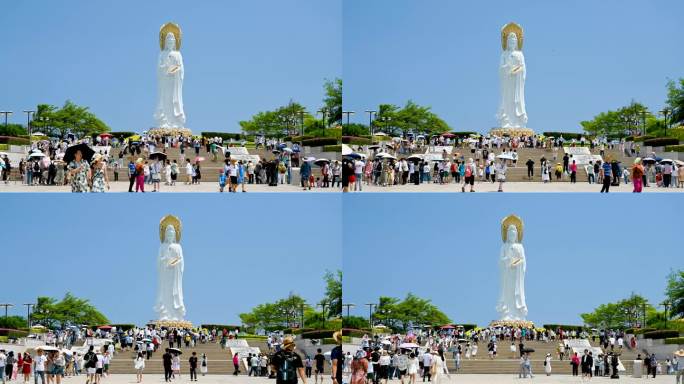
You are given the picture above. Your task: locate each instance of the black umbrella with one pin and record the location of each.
(158, 156)
(86, 151)
(175, 351)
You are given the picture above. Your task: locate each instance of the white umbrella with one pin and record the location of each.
(385, 155)
(38, 134)
(37, 154)
(310, 158)
(379, 134)
(663, 161)
(3, 154)
(375, 146)
(287, 150)
(679, 162)
(346, 150)
(408, 345)
(415, 157)
(507, 156)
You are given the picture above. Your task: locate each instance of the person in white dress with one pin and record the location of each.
(139, 365)
(437, 369)
(547, 364)
(175, 366)
(412, 368)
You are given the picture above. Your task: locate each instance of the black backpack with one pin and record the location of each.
(287, 373)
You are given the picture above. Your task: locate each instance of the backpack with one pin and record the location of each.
(468, 171)
(287, 373)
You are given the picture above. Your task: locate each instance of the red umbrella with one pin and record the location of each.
(448, 326)
(105, 135)
(104, 327)
(448, 134)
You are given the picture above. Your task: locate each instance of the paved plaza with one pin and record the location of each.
(475, 379)
(518, 186)
(122, 186)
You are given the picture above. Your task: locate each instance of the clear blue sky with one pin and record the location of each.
(583, 57)
(239, 251)
(581, 251)
(240, 56)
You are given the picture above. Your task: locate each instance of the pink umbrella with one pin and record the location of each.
(199, 158)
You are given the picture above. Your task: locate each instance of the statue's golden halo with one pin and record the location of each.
(508, 28)
(511, 220)
(170, 220)
(173, 28)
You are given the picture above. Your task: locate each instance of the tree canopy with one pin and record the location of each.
(675, 100)
(332, 102)
(69, 118)
(675, 293)
(624, 121)
(628, 312)
(284, 120)
(394, 120)
(411, 311)
(333, 293)
(13, 322)
(71, 310)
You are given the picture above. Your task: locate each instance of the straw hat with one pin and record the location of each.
(337, 336)
(679, 353)
(288, 343)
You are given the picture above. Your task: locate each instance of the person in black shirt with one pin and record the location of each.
(320, 367)
(166, 359)
(337, 359)
(288, 364)
(193, 366)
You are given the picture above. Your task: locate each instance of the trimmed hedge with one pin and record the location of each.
(564, 327)
(662, 334)
(332, 148)
(13, 140)
(638, 331)
(319, 142)
(355, 140)
(320, 334)
(297, 139)
(464, 133)
(222, 326)
(13, 333)
(224, 135)
(643, 138)
(661, 141)
(566, 135)
(355, 332)
(674, 340)
(674, 148)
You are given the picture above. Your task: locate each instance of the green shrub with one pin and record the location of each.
(643, 138)
(564, 327)
(662, 334)
(355, 140)
(13, 140)
(319, 142)
(224, 135)
(674, 148)
(639, 331)
(355, 332)
(674, 340)
(464, 133)
(297, 139)
(221, 327)
(332, 148)
(328, 340)
(13, 333)
(661, 141)
(566, 135)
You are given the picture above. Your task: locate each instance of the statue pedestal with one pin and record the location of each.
(514, 132)
(185, 132)
(512, 323)
(179, 324)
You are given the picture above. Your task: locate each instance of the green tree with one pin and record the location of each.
(283, 313)
(412, 310)
(333, 293)
(412, 117)
(675, 293)
(13, 322)
(627, 120)
(12, 129)
(355, 129)
(70, 310)
(284, 120)
(355, 322)
(675, 100)
(332, 102)
(625, 313)
(70, 118)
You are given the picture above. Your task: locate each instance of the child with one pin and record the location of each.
(312, 181)
(318, 182)
(222, 180)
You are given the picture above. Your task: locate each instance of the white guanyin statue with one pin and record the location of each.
(170, 73)
(512, 73)
(169, 305)
(512, 265)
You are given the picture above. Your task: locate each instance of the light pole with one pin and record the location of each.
(665, 112)
(370, 121)
(385, 119)
(323, 305)
(370, 315)
(6, 305)
(28, 123)
(666, 304)
(348, 306)
(28, 314)
(348, 113)
(322, 111)
(6, 113)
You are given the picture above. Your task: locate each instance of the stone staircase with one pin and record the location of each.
(219, 360)
(505, 364)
